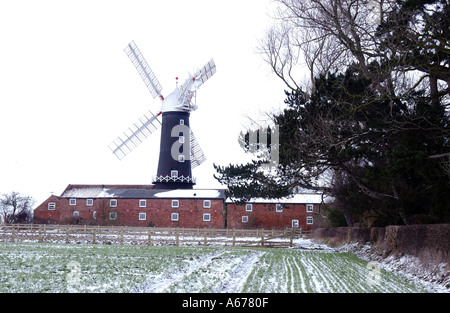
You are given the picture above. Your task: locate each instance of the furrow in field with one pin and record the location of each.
(161, 283)
(241, 269)
(300, 274)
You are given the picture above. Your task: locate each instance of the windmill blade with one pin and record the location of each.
(143, 69)
(200, 77)
(203, 74)
(197, 156)
(135, 134)
(194, 82)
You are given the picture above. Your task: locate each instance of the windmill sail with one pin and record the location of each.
(197, 156)
(194, 82)
(203, 74)
(134, 135)
(143, 69)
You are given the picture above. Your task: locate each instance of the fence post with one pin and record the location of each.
(67, 234)
(205, 240)
(93, 235)
(121, 236)
(234, 237)
(39, 234)
(177, 238)
(292, 238)
(149, 237)
(12, 234)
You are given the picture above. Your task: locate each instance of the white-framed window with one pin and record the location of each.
(181, 159)
(72, 201)
(244, 219)
(89, 202)
(309, 220)
(295, 224)
(206, 217)
(175, 203)
(207, 204)
(112, 216)
(174, 217)
(249, 207)
(309, 207)
(94, 215)
(76, 214)
(113, 203)
(181, 122)
(142, 216)
(142, 203)
(52, 206)
(279, 207)
(174, 174)
(181, 139)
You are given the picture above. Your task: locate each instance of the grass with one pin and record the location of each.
(46, 267)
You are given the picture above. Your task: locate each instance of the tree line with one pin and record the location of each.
(369, 127)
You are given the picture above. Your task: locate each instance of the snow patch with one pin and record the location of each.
(189, 193)
(94, 192)
(435, 278)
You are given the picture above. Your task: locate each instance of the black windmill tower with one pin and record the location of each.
(179, 150)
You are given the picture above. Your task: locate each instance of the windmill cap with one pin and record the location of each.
(170, 102)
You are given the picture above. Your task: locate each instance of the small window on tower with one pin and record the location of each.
(175, 203)
(89, 202)
(174, 174)
(52, 206)
(174, 217)
(181, 158)
(72, 201)
(181, 122)
(181, 139)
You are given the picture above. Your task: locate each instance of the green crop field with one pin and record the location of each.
(47, 267)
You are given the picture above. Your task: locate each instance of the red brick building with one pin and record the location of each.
(143, 205)
(294, 212)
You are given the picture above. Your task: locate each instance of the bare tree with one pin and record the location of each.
(16, 208)
(397, 48)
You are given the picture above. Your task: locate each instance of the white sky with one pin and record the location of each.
(67, 88)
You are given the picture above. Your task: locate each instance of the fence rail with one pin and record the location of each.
(149, 235)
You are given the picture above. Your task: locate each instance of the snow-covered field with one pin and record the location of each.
(50, 267)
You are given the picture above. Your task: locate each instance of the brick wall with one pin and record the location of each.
(158, 212)
(265, 215)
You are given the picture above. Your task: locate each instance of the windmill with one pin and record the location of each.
(179, 150)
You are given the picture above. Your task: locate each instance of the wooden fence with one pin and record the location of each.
(148, 235)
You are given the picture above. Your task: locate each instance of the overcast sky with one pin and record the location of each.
(67, 88)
